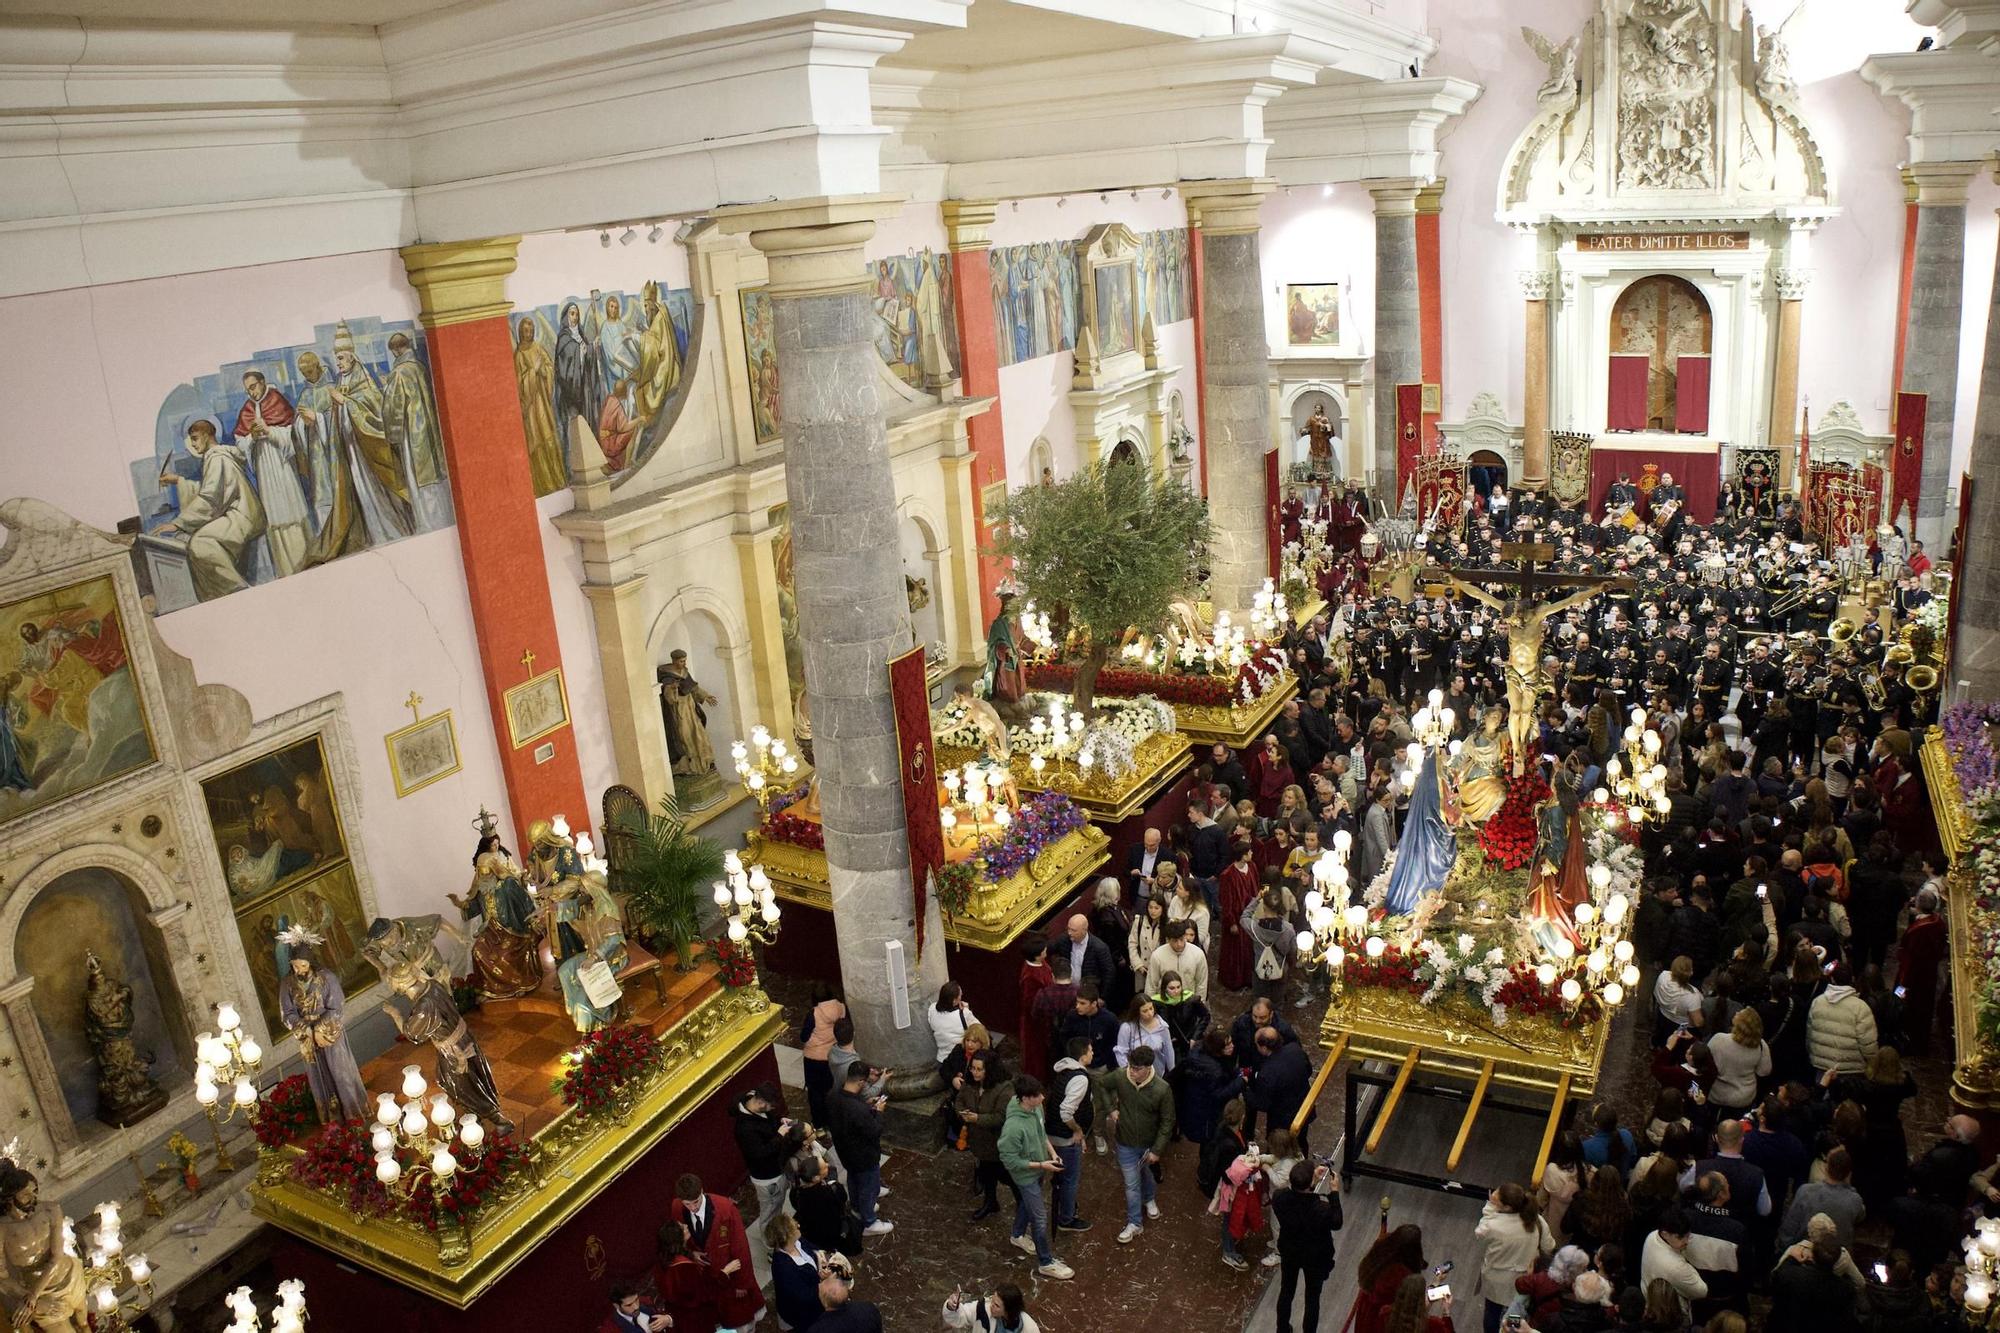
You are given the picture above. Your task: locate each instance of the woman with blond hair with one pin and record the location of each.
(1741, 1059)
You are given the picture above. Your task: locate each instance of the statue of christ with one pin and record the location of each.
(1526, 680)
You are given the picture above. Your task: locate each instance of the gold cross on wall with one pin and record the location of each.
(415, 704)
(528, 660)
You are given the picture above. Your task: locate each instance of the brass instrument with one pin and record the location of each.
(1843, 629)
(1898, 654)
(1788, 601)
(1922, 680)
(1873, 690)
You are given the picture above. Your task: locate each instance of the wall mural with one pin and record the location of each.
(1036, 291)
(913, 295)
(70, 713)
(289, 459)
(760, 348)
(617, 360)
(278, 832)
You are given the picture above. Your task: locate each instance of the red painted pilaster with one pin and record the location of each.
(1200, 343)
(968, 226)
(1906, 279)
(1430, 304)
(461, 287)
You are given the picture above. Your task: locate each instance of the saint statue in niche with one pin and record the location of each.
(1319, 432)
(41, 1283)
(682, 700)
(314, 1010)
(126, 1093)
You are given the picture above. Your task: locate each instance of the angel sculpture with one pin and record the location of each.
(1774, 58)
(1560, 88)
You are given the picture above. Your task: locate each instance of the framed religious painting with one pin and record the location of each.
(327, 902)
(760, 353)
(536, 707)
(1312, 314)
(1110, 263)
(275, 819)
(71, 712)
(423, 752)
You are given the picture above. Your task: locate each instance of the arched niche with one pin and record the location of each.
(923, 560)
(1296, 448)
(1485, 469)
(1041, 460)
(1128, 449)
(1661, 317)
(698, 623)
(96, 910)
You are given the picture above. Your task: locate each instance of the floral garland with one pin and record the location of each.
(285, 1112)
(807, 833)
(1439, 970)
(604, 1062)
(340, 1161)
(735, 964)
(1978, 772)
(954, 883)
(1509, 837)
(1038, 825)
(1246, 684)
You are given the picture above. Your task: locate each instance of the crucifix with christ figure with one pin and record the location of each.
(1523, 620)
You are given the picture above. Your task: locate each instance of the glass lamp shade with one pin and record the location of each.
(1342, 840)
(1571, 991)
(1377, 946)
(383, 1140)
(470, 1132)
(737, 932)
(443, 1164)
(246, 1092)
(1546, 974)
(721, 895)
(1614, 995)
(413, 1122)
(205, 1093)
(251, 1052)
(227, 1018)
(140, 1267)
(441, 1111)
(387, 1169)
(104, 1298)
(413, 1081)
(1305, 941)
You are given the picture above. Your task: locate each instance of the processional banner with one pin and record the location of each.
(909, 690)
(1569, 468)
(1906, 475)
(1409, 428)
(1440, 486)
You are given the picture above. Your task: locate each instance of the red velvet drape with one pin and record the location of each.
(1699, 474)
(1626, 408)
(1691, 394)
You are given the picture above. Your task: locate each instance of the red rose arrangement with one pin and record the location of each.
(1509, 837)
(285, 1112)
(608, 1059)
(1394, 970)
(954, 882)
(340, 1161)
(734, 962)
(806, 833)
(1123, 682)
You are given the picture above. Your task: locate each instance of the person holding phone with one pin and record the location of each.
(1308, 1213)
(1003, 1310)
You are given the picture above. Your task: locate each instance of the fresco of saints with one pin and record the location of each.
(535, 375)
(220, 514)
(314, 407)
(659, 357)
(617, 345)
(370, 497)
(579, 388)
(409, 422)
(264, 432)
(616, 426)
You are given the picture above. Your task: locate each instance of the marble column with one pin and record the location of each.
(1784, 435)
(1236, 393)
(853, 612)
(1399, 341)
(1930, 343)
(1536, 286)
(1978, 643)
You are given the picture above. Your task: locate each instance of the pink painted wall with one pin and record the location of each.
(1034, 394)
(84, 377)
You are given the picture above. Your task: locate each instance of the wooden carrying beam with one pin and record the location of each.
(1333, 1057)
(1395, 1096)
(1556, 1110)
(1471, 1114)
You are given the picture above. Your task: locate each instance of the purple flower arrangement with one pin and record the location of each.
(1038, 825)
(1971, 756)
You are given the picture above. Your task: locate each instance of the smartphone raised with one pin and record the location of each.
(1437, 1293)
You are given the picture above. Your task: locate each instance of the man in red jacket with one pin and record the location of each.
(715, 1232)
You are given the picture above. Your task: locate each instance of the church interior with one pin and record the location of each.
(1000, 663)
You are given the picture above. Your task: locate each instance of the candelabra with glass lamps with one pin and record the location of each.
(749, 904)
(287, 1316)
(229, 1055)
(1057, 740)
(108, 1270)
(1638, 781)
(424, 1127)
(1333, 925)
(978, 790)
(765, 766)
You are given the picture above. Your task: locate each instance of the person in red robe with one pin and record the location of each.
(715, 1232)
(1273, 775)
(616, 427)
(1919, 956)
(689, 1289)
(1035, 978)
(1237, 890)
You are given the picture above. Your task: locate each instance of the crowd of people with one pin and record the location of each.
(1791, 909)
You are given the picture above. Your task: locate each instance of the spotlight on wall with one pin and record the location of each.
(604, 239)
(1167, 193)
(1104, 197)
(629, 235)
(1135, 195)
(1060, 202)
(653, 236)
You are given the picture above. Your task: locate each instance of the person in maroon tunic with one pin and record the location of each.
(1239, 884)
(1035, 978)
(1273, 775)
(715, 1232)
(1919, 956)
(689, 1289)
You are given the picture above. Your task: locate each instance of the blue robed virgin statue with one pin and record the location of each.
(1428, 850)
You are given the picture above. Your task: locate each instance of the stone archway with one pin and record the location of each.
(1662, 317)
(699, 623)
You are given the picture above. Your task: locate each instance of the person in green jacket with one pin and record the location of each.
(1030, 1159)
(1138, 1108)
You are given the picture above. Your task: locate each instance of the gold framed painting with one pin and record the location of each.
(326, 902)
(1111, 291)
(275, 819)
(423, 752)
(536, 707)
(72, 711)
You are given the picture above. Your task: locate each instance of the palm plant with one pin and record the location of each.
(667, 876)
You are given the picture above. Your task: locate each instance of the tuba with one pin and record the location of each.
(1922, 680)
(1842, 630)
(1873, 690)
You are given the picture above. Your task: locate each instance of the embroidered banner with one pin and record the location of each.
(909, 690)
(1907, 472)
(1409, 425)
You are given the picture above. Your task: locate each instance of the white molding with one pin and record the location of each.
(1953, 96)
(1363, 131)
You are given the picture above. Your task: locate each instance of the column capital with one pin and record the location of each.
(1395, 197)
(813, 245)
(968, 223)
(1430, 199)
(1226, 207)
(1536, 283)
(1941, 184)
(458, 282)
(1791, 283)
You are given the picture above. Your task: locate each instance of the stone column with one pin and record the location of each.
(1536, 285)
(1977, 648)
(1235, 402)
(1930, 355)
(1399, 340)
(1784, 435)
(853, 612)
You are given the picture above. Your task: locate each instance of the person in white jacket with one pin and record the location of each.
(1664, 1258)
(1840, 1027)
(950, 1017)
(1004, 1311)
(1515, 1236)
